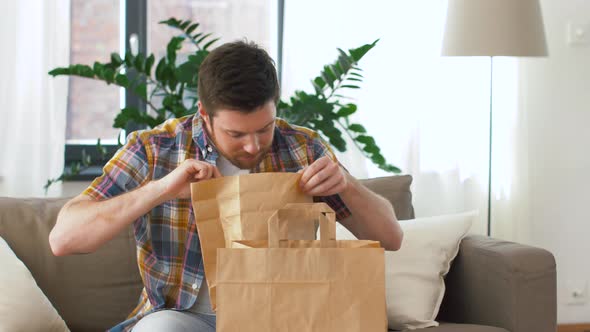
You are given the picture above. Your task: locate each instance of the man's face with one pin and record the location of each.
(242, 138)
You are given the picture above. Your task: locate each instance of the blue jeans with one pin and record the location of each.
(175, 321)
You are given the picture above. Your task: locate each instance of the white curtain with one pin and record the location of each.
(429, 114)
(36, 38)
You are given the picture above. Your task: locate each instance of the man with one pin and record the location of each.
(147, 184)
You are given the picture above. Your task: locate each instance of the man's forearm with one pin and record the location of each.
(83, 225)
(373, 217)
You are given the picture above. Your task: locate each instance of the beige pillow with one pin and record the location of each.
(23, 306)
(414, 283)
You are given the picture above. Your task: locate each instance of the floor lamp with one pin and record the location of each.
(494, 28)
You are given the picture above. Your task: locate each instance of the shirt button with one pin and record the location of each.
(209, 148)
(195, 286)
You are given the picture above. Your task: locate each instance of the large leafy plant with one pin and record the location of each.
(169, 89)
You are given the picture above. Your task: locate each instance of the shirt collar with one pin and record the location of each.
(205, 147)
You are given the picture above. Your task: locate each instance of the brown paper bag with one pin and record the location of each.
(286, 285)
(237, 208)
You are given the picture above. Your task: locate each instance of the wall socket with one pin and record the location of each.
(578, 34)
(577, 294)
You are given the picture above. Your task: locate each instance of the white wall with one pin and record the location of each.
(555, 94)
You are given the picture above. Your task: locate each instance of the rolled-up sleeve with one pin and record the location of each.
(128, 169)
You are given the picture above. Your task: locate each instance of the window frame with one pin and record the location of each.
(135, 23)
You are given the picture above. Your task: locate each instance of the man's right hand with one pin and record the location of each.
(177, 183)
(84, 224)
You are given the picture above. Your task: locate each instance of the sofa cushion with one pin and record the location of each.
(414, 274)
(91, 292)
(23, 306)
(397, 190)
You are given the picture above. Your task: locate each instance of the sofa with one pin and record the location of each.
(492, 285)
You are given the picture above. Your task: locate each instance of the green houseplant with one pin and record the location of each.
(169, 89)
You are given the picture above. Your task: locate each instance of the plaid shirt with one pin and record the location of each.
(168, 248)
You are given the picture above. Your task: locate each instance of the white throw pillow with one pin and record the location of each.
(414, 283)
(23, 306)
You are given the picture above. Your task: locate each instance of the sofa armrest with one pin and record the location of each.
(502, 284)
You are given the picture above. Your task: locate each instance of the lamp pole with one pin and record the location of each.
(490, 149)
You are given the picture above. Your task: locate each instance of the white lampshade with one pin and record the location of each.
(494, 28)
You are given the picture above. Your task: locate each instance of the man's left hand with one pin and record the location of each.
(324, 177)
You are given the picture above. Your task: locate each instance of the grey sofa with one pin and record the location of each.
(492, 286)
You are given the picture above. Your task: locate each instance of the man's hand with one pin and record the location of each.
(177, 183)
(324, 177)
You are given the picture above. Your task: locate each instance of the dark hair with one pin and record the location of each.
(237, 75)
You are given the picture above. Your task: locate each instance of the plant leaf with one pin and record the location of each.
(378, 159)
(60, 71)
(127, 114)
(122, 80)
(109, 75)
(139, 63)
(83, 70)
(318, 84)
(358, 53)
(160, 70)
(129, 59)
(187, 72)
(184, 24)
(206, 46)
(149, 62)
(191, 28)
(368, 140)
(141, 90)
(116, 59)
(336, 71)
(390, 168)
(173, 46)
(171, 22)
(347, 110)
(203, 38)
(357, 128)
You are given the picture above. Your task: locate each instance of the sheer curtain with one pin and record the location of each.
(36, 38)
(429, 114)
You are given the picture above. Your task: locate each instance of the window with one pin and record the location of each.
(100, 27)
(97, 28)
(92, 106)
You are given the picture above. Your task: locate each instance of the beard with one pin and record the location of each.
(244, 160)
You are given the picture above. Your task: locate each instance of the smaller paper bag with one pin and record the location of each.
(324, 285)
